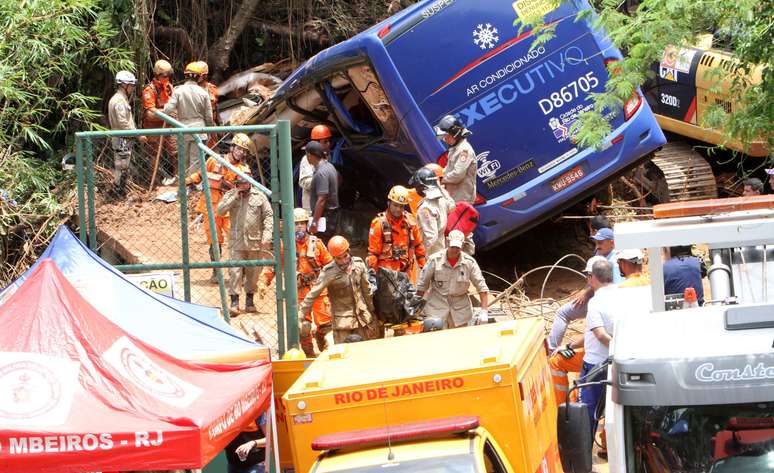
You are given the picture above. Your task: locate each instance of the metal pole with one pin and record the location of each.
(215, 155)
(214, 243)
(233, 169)
(183, 198)
(81, 194)
(90, 193)
(656, 266)
(278, 269)
(274, 443)
(288, 239)
(195, 265)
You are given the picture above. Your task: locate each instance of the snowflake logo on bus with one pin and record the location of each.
(485, 36)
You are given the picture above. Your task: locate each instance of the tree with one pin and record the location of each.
(52, 54)
(746, 28)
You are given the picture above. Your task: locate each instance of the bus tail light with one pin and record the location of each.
(632, 105)
(635, 101)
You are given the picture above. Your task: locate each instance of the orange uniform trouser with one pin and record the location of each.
(321, 315)
(222, 227)
(560, 366)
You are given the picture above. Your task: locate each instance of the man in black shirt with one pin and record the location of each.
(324, 194)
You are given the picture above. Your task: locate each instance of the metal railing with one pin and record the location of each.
(280, 194)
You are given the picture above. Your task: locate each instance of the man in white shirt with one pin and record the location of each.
(603, 309)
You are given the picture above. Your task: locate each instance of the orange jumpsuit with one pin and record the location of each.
(394, 243)
(212, 89)
(154, 96)
(311, 256)
(560, 366)
(221, 179)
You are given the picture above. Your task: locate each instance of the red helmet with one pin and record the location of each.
(320, 132)
(337, 246)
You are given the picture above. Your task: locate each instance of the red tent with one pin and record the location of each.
(78, 394)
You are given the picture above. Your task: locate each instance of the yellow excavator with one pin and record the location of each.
(686, 85)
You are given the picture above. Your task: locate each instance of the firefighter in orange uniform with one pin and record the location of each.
(394, 240)
(311, 257)
(155, 95)
(221, 179)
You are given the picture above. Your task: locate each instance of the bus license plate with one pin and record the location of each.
(567, 179)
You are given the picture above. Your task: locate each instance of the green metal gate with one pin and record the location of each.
(280, 194)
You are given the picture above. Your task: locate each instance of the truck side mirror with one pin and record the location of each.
(575, 440)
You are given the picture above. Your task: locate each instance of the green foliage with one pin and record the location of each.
(46, 46)
(54, 56)
(746, 28)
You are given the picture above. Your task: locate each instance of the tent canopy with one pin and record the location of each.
(200, 331)
(78, 393)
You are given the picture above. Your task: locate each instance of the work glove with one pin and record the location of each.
(372, 281)
(567, 352)
(305, 330)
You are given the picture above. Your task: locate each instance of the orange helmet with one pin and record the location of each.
(320, 132)
(437, 169)
(337, 246)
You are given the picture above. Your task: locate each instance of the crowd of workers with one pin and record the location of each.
(412, 236)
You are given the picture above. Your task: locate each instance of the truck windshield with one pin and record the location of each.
(450, 464)
(736, 438)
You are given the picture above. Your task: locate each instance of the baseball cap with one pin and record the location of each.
(315, 148)
(456, 238)
(591, 261)
(630, 254)
(770, 172)
(603, 234)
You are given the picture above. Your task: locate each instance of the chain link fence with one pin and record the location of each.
(146, 228)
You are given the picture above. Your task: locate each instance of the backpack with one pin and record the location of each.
(464, 218)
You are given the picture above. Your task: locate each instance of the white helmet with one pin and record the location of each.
(125, 77)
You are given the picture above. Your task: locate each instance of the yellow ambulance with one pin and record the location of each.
(474, 399)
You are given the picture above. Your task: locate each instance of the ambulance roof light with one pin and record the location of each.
(396, 433)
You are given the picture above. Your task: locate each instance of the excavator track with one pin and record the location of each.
(683, 174)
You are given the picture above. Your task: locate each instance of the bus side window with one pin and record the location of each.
(492, 461)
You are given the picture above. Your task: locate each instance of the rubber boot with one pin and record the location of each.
(249, 302)
(214, 276)
(233, 309)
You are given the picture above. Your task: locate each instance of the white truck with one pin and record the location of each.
(692, 391)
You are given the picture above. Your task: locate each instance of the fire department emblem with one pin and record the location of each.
(28, 389)
(150, 376)
(133, 364)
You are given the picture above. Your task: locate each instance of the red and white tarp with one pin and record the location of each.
(79, 394)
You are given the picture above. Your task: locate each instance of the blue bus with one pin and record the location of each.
(385, 88)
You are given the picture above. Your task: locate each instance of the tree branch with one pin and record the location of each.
(220, 51)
